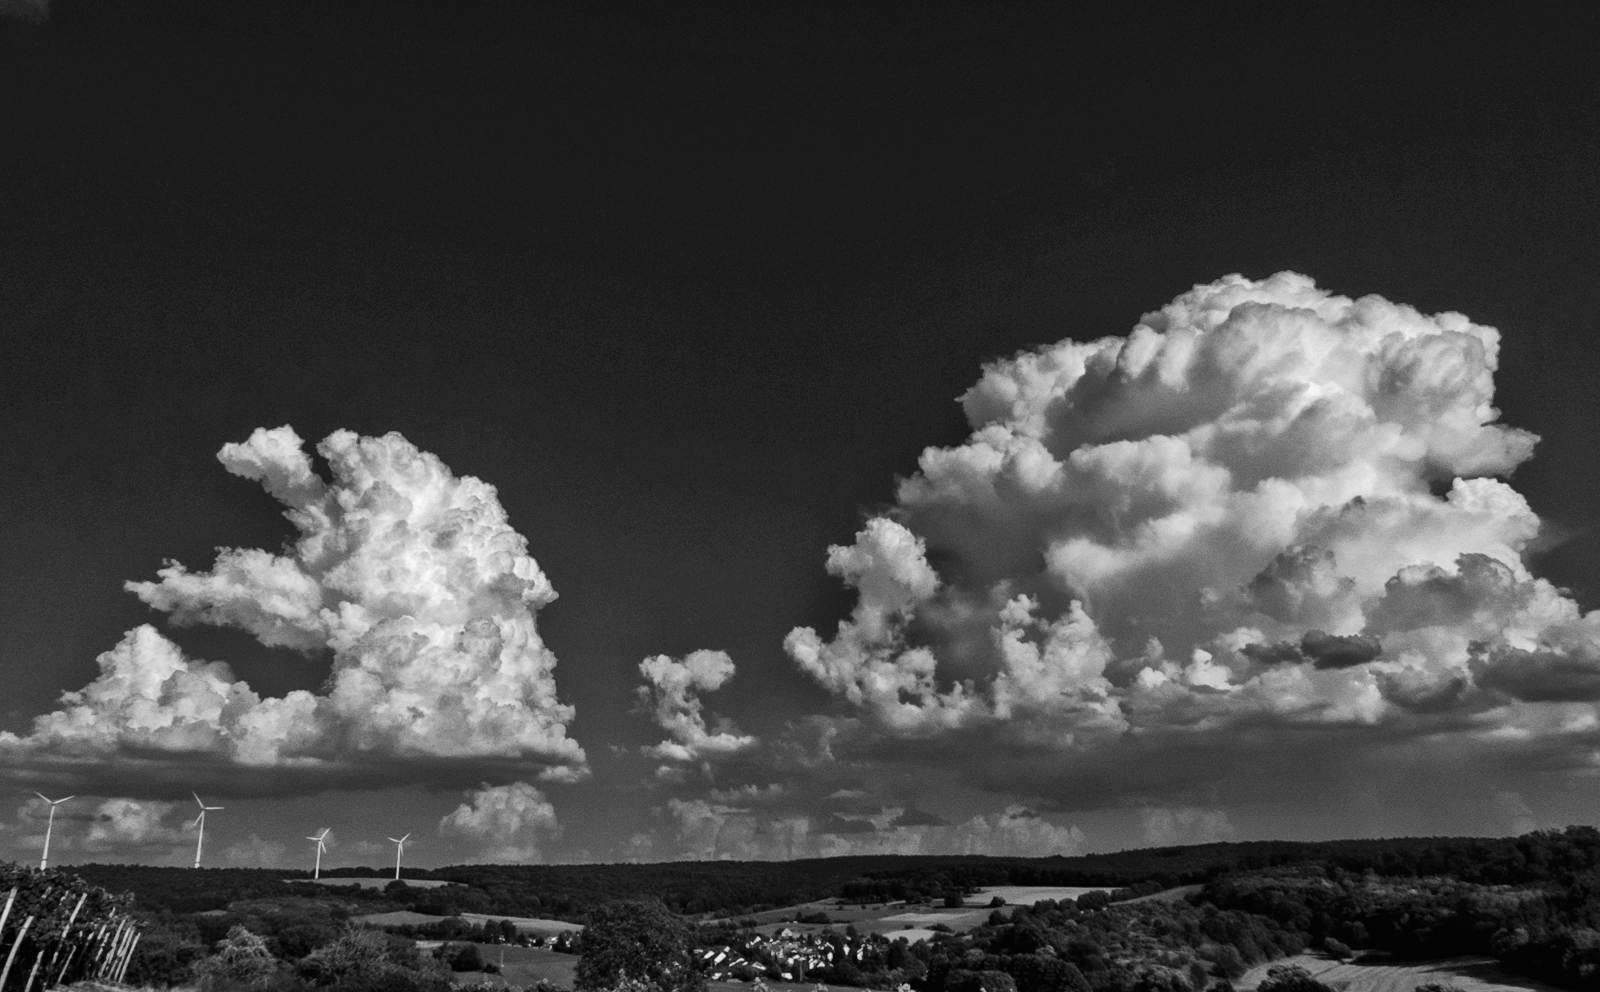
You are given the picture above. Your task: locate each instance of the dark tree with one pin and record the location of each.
(1291, 978)
(637, 942)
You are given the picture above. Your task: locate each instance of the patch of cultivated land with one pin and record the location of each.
(524, 966)
(1169, 895)
(1372, 974)
(1027, 895)
(524, 924)
(370, 883)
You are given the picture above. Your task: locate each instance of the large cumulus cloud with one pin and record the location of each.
(413, 582)
(1267, 518)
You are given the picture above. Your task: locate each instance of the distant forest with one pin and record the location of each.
(732, 888)
(1532, 901)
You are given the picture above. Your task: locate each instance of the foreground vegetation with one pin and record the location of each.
(1533, 902)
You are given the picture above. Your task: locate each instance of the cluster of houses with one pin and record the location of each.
(788, 954)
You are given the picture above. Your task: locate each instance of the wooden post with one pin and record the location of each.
(66, 934)
(6, 913)
(106, 950)
(127, 958)
(61, 973)
(21, 932)
(28, 985)
(128, 939)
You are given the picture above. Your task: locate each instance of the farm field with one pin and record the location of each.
(524, 924)
(1027, 895)
(369, 883)
(1169, 895)
(523, 966)
(1371, 974)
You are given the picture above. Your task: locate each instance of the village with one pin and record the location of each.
(789, 955)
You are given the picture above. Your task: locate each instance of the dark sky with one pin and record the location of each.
(692, 288)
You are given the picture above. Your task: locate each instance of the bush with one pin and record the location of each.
(996, 902)
(638, 943)
(459, 957)
(953, 900)
(962, 980)
(241, 962)
(1291, 978)
(1336, 949)
(370, 961)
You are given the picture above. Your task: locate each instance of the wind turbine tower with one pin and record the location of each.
(399, 846)
(44, 860)
(319, 838)
(200, 821)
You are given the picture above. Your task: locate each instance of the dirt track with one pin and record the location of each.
(1468, 974)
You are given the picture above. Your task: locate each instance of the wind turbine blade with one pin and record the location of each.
(197, 801)
(60, 801)
(405, 838)
(44, 797)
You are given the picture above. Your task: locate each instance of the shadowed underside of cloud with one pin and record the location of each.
(707, 830)
(411, 578)
(1268, 519)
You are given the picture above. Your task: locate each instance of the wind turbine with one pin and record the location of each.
(44, 860)
(399, 846)
(317, 872)
(200, 821)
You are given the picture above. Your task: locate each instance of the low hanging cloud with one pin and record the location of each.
(709, 830)
(1170, 826)
(413, 581)
(506, 823)
(1267, 518)
(99, 828)
(670, 696)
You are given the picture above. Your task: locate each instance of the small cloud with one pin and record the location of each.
(509, 822)
(1172, 826)
(36, 11)
(670, 695)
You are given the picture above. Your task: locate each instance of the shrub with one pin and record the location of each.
(459, 957)
(1336, 949)
(962, 980)
(370, 961)
(241, 962)
(1291, 978)
(641, 944)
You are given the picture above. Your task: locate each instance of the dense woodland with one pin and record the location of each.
(1533, 901)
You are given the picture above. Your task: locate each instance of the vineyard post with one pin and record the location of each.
(93, 954)
(5, 973)
(128, 938)
(65, 964)
(6, 913)
(34, 972)
(106, 951)
(108, 963)
(127, 958)
(66, 935)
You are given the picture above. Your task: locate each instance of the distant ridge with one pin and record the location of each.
(733, 887)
